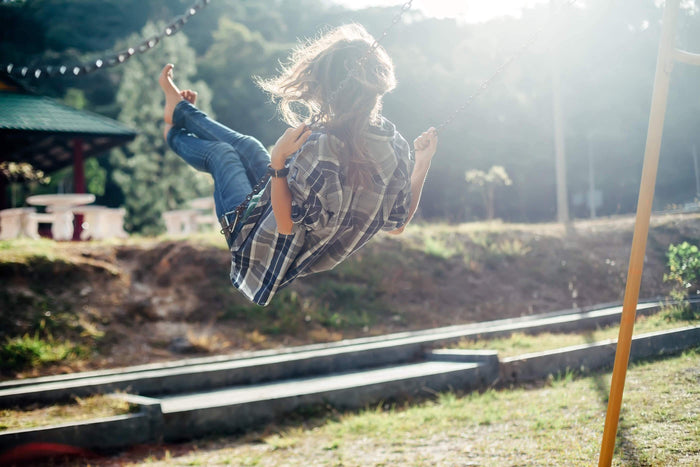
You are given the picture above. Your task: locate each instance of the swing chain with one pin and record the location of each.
(227, 227)
(50, 71)
(487, 82)
(394, 21)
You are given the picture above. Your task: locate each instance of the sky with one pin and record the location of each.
(469, 11)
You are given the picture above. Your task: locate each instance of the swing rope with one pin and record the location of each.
(50, 71)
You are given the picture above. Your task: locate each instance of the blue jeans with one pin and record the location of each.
(235, 161)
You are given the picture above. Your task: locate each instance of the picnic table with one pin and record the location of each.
(59, 208)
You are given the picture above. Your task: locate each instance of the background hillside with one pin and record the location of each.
(73, 306)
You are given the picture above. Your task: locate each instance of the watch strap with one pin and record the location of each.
(277, 173)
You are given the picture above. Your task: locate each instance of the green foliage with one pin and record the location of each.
(22, 171)
(152, 178)
(236, 54)
(439, 64)
(683, 265)
(684, 274)
(439, 248)
(96, 177)
(75, 98)
(18, 174)
(485, 183)
(32, 351)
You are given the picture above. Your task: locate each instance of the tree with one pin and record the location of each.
(152, 178)
(228, 67)
(17, 172)
(486, 183)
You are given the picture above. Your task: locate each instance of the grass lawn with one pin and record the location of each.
(82, 409)
(560, 423)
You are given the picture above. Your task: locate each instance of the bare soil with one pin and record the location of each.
(156, 300)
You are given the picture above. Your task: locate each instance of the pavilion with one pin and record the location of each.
(50, 136)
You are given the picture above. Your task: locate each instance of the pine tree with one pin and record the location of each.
(152, 177)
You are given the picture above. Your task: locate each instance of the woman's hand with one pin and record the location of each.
(287, 144)
(425, 146)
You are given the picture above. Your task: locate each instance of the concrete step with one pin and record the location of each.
(556, 321)
(210, 373)
(242, 408)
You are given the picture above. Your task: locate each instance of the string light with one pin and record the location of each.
(49, 71)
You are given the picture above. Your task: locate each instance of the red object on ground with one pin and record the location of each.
(20, 455)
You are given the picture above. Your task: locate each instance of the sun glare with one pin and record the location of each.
(468, 11)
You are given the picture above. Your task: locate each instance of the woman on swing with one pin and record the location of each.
(334, 181)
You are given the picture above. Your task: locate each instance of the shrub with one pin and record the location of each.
(31, 351)
(684, 274)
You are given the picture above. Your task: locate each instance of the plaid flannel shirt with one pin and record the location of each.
(331, 219)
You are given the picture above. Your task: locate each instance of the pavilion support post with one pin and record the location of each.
(78, 166)
(657, 114)
(78, 183)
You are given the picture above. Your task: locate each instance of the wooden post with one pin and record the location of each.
(559, 143)
(664, 65)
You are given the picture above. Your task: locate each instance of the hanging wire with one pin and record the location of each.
(50, 71)
(487, 82)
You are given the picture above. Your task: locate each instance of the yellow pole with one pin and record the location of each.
(641, 228)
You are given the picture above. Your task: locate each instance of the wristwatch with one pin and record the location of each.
(277, 173)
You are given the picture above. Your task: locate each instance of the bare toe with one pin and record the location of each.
(189, 95)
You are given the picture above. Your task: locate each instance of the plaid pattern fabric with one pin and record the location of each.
(331, 219)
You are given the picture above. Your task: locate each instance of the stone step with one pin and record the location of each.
(242, 408)
(311, 360)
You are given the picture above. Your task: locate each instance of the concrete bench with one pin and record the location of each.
(15, 223)
(180, 221)
(206, 218)
(61, 224)
(207, 222)
(101, 222)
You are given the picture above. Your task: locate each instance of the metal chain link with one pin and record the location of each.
(487, 82)
(50, 71)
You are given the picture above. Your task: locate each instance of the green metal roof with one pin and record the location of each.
(41, 131)
(28, 112)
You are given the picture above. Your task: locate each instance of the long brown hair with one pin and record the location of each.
(323, 85)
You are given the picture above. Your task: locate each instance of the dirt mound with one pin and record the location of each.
(157, 300)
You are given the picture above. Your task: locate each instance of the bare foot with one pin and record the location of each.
(172, 93)
(189, 95)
